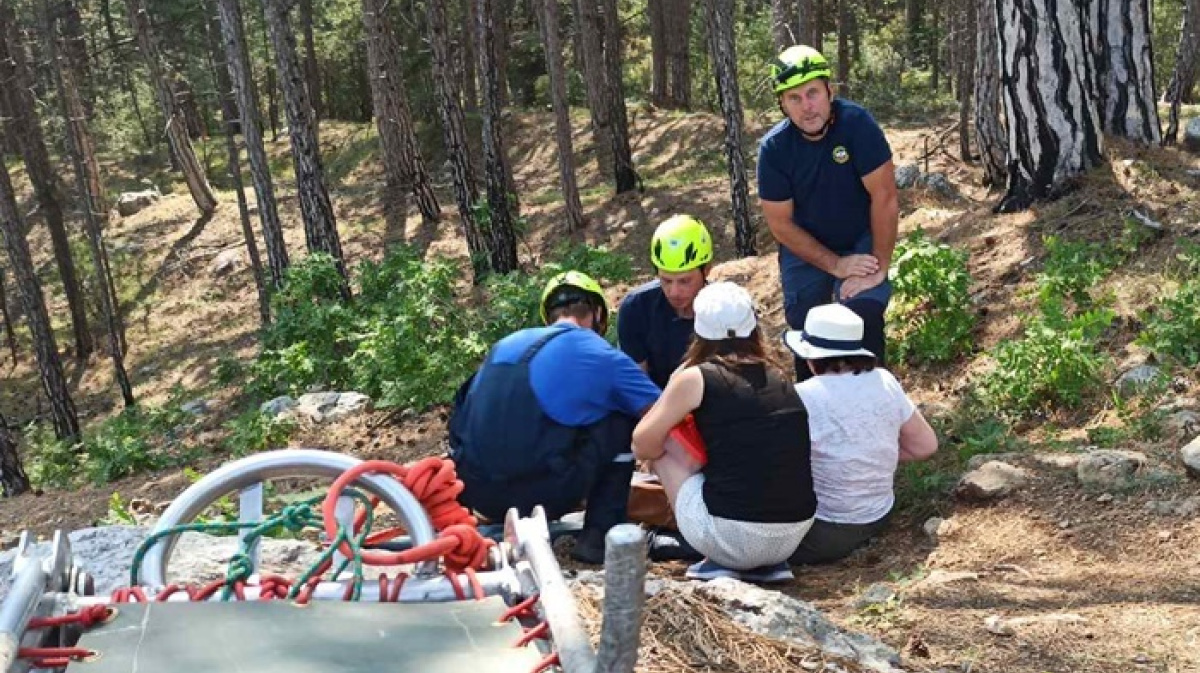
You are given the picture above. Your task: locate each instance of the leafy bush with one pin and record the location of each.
(1172, 329)
(1056, 363)
(406, 340)
(930, 317)
(254, 432)
(1071, 269)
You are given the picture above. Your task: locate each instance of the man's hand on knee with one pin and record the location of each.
(856, 284)
(852, 266)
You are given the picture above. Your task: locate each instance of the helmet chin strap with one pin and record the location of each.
(820, 133)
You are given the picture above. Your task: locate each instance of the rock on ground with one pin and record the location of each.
(1190, 455)
(1110, 469)
(991, 481)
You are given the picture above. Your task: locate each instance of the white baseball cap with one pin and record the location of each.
(724, 310)
(830, 331)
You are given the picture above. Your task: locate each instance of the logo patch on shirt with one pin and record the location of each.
(840, 154)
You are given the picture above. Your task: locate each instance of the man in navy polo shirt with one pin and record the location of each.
(654, 323)
(828, 191)
(548, 419)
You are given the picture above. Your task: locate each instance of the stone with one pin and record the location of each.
(939, 184)
(1190, 454)
(876, 594)
(978, 460)
(1187, 507)
(330, 406)
(630, 225)
(931, 526)
(1109, 469)
(225, 263)
(1104, 498)
(279, 405)
(991, 481)
(1191, 135)
(196, 407)
(907, 176)
(1136, 379)
(129, 203)
(1184, 423)
(1007, 627)
(348, 404)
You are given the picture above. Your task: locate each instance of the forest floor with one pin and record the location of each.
(1108, 586)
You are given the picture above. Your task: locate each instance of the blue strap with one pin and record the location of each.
(832, 344)
(533, 349)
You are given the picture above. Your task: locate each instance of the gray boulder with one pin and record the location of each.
(1109, 469)
(330, 406)
(280, 405)
(939, 184)
(130, 203)
(1191, 457)
(1186, 507)
(1191, 135)
(225, 263)
(1136, 379)
(198, 407)
(991, 481)
(907, 176)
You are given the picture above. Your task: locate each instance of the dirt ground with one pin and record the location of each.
(1108, 586)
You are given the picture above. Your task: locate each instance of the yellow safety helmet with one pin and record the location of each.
(569, 287)
(681, 243)
(797, 65)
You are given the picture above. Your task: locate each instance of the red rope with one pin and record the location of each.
(542, 630)
(272, 587)
(53, 657)
(550, 660)
(88, 616)
(129, 595)
(522, 609)
(391, 593)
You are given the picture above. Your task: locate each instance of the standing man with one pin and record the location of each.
(828, 191)
(654, 323)
(548, 419)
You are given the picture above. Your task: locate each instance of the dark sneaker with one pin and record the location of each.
(708, 570)
(589, 547)
(780, 572)
(665, 545)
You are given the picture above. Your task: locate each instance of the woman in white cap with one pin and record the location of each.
(861, 423)
(751, 503)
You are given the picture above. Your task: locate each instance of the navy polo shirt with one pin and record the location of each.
(823, 178)
(649, 330)
(578, 377)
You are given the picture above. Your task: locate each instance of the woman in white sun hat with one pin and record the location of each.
(751, 503)
(862, 425)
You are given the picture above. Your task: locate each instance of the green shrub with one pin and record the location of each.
(1071, 269)
(930, 319)
(1172, 329)
(254, 432)
(49, 462)
(1056, 363)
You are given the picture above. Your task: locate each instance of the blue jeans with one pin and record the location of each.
(806, 286)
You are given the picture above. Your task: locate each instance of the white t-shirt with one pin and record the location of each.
(855, 424)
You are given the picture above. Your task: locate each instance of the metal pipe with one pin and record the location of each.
(624, 597)
(18, 606)
(415, 590)
(272, 465)
(558, 604)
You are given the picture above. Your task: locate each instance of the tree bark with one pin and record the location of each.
(591, 32)
(679, 61)
(809, 23)
(1187, 64)
(75, 48)
(177, 135)
(964, 65)
(724, 58)
(1120, 36)
(320, 225)
(13, 479)
(656, 12)
(237, 59)
(454, 136)
(785, 24)
(87, 181)
(312, 74)
(120, 64)
(1054, 131)
(402, 161)
(17, 82)
(914, 28)
(272, 83)
(502, 241)
(9, 333)
(548, 21)
(54, 383)
(990, 134)
(466, 33)
(845, 10)
(624, 175)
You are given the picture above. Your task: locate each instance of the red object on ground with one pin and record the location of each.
(688, 436)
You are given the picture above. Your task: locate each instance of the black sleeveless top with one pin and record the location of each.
(759, 453)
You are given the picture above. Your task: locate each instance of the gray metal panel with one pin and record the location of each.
(325, 636)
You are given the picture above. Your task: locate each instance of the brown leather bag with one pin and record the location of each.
(648, 502)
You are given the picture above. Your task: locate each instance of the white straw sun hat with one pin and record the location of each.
(724, 310)
(830, 331)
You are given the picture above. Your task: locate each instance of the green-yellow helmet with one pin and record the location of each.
(681, 243)
(569, 287)
(797, 65)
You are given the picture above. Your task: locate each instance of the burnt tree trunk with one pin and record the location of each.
(466, 38)
(990, 135)
(312, 74)
(9, 334)
(320, 225)
(87, 180)
(591, 47)
(454, 137)
(54, 383)
(1120, 37)
(501, 237)
(237, 59)
(624, 175)
(1054, 131)
(724, 59)
(1187, 64)
(785, 24)
(13, 480)
(548, 21)
(177, 135)
(679, 57)
(402, 161)
(16, 84)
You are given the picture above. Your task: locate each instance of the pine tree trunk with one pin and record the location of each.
(1187, 56)
(502, 241)
(13, 479)
(843, 48)
(18, 82)
(230, 116)
(9, 334)
(724, 59)
(237, 58)
(933, 48)
(591, 31)
(320, 225)
(990, 134)
(548, 21)
(964, 64)
(54, 383)
(454, 136)
(656, 12)
(75, 49)
(679, 61)
(466, 33)
(501, 9)
(114, 40)
(1120, 35)
(402, 161)
(914, 28)
(87, 180)
(312, 74)
(272, 83)
(809, 23)
(1054, 131)
(177, 135)
(624, 175)
(785, 27)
